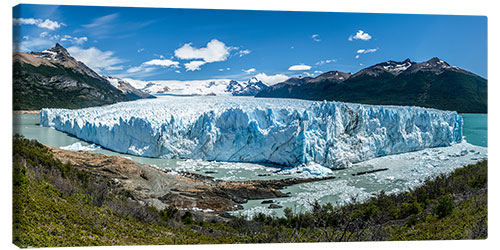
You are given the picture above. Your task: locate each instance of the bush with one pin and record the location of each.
(169, 213)
(187, 218)
(445, 206)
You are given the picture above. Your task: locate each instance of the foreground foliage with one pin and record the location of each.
(56, 204)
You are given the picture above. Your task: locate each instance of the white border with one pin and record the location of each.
(457, 7)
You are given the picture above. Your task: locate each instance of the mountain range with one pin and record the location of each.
(225, 87)
(433, 84)
(54, 79)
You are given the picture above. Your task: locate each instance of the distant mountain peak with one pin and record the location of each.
(57, 53)
(253, 80)
(334, 76)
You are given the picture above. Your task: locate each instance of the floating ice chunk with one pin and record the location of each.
(307, 170)
(77, 146)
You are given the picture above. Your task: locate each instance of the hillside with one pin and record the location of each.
(54, 79)
(431, 84)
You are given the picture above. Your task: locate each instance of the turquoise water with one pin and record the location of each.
(476, 129)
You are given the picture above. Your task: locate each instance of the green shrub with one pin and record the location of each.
(445, 206)
(169, 213)
(187, 218)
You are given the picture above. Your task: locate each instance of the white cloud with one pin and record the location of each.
(243, 52)
(315, 37)
(194, 65)
(299, 67)
(140, 50)
(318, 72)
(149, 66)
(34, 44)
(141, 69)
(271, 79)
(74, 40)
(364, 51)
(100, 21)
(45, 24)
(325, 61)
(96, 59)
(361, 35)
(249, 71)
(215, 51)
(162, 62)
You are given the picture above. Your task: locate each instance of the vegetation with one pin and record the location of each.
(450, 90)
(56, 204)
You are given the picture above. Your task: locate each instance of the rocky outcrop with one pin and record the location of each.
(161, 188)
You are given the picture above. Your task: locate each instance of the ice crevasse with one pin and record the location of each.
(276, 131)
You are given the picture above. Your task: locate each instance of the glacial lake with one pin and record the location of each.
(403, 171)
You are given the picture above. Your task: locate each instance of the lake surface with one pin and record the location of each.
(404, 170)
(476, 129)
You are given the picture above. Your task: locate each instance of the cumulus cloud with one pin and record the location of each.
(150, 65)
(299, 67)
(74, 40)
(163, 63)
(194, 65)
(360, 35)
(44, 24)
(215, 51)
(249, 71)
(271, 79)
(315, 37)
(96, 59)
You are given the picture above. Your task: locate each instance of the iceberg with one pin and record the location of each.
(286, 132)
(77, 147)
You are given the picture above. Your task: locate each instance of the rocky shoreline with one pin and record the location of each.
(161, 188)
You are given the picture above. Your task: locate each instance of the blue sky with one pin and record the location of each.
(188, 44)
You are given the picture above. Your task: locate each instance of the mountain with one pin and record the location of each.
(201, 87)
(54, 79)
(433, 84)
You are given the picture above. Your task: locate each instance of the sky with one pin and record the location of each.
(190, 44)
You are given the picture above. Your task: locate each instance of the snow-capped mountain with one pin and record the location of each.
(433, 84)
(217, 87)
(126, 88)
(390, 67)
(53, 78)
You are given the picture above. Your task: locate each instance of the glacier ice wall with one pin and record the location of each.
(278, 131)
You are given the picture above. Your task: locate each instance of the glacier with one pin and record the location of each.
(286, 132)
